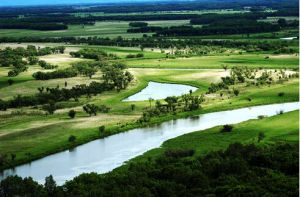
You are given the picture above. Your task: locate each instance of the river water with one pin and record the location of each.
(160, 91)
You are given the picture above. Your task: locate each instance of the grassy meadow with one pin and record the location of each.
(215, 61)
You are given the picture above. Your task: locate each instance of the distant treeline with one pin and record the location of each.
(214, 17)
(47, 21)
(154, 7)
(238, 26)
(153, 42)
(15, 24)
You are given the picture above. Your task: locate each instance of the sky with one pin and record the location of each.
(55, 2)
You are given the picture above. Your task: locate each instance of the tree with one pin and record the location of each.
(224, 66)
(226, 128)
(32, 60)
(72, 138)
(282, 22)
(91, 109)
(50, 108)
(236, 92)
(132, 107)
(150, 100)
(261, 136)
(102, 129)
(13, 156)
(10, 82)
(50, 185)
(72, 113)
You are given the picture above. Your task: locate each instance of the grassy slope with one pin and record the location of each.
(280, 128)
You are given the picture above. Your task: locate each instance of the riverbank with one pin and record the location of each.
(281, 128)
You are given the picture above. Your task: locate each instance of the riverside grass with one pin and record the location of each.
(280, 128)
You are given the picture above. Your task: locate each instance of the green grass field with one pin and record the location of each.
(110, 29)
(209, 62)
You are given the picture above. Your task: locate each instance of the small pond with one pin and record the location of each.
(160, 91)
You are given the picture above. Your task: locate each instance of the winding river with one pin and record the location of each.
(104, 155)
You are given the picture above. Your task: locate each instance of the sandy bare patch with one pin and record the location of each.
(104, 119)
(57, 59)
(283, 56)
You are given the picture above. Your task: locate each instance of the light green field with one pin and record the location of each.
(280, 61)
(279, 128)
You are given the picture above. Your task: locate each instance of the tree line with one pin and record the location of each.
(114, 78)
(239, 170)
(228, 26)
(155, 42)
(149, 7)
(15, 57)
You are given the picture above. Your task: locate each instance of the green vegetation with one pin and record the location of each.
(67, 85)
(259, 171)
(280, 128)
(212, 62)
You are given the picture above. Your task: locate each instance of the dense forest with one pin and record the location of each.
(228, 26)
(240, 170)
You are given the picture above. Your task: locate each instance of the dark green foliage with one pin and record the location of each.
(72, 138)
(66, 73)
(236, 92)
(226, 128)
(93, 53)
(138, 24)
(50, 108)
(50, 184)
(139, 55)
(115, 77)
(72, 113)
(46, 65)
(179, 153)
(10, 82)
(91, 109)
(32, 60)
(231, 26)
(240, 170)
(261, 136)
(102, 129)
(132, 107)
